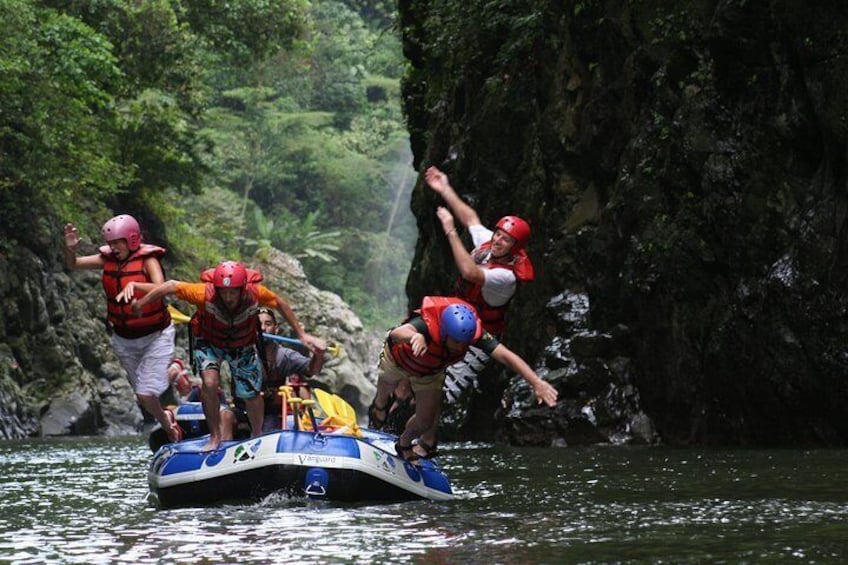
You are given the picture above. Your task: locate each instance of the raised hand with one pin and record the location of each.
(446, 218)
(436, 179)
(72, 239)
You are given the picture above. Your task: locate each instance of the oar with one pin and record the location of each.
(177, 316)
(338, 411)
(332, 349)
(180, 318)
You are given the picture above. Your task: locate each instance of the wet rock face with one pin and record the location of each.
(683, 168)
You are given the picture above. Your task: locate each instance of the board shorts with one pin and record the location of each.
(389, 371)
(243, 364)
(146, 360)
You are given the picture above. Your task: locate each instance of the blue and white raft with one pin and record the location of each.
(338, 462)
(330, 466)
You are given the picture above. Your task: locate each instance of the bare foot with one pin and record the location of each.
(212, 445)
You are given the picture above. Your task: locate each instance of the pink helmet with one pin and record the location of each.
(516, 228)
(230, 274)
(123, 227)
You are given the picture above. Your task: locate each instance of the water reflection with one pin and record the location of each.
(84, 501)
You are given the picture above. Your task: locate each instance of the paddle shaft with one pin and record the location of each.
(283, 339)
(180, 318)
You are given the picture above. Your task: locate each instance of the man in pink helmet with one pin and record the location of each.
(225, 326)
(143, 342)
(490, 273)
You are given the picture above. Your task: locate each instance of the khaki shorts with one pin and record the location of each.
(391, 372)
(146, 360)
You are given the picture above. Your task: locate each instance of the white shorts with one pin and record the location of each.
(146, 360)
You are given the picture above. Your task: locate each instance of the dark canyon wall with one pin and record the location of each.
(683, 167)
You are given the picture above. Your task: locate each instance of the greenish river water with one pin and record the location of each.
(84, 501)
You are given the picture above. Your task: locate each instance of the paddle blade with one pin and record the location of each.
(325, 401)
(177, 316)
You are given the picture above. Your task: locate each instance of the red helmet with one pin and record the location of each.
(516, 228)
(230, 274)
(123, 227)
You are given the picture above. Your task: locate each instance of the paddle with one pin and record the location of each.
(180, 318)
(177, 316)
(332, 349)
(339, 412)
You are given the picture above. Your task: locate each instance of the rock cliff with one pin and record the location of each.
(683, 165)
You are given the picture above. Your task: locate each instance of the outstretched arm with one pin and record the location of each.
(69, 251)
(155, 293)
(543, 389)
(317, 361)
(154, 272)
(311, 342)
(468, 269)
(438, 181)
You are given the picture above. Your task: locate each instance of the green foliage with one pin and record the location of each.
(369, 275)
(154, 47)
(247, 30)
(299, 238)
(382, 13)
(157, 137)
(56, 125)
(302, 238)
(492, 38)
(240, 124)
(203, 231)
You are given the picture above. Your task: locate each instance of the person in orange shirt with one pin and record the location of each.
(225, 328)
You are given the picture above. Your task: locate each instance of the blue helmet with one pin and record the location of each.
(460, 323)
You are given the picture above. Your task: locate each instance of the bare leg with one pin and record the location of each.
(428, 405)
(228, 424)
(211, 407)
(429, 437)
(380, 408)
(255, 413)
(151, 404)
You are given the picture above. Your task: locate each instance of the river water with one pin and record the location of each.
(83, 500)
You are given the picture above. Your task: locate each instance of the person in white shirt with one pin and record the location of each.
(490, 273)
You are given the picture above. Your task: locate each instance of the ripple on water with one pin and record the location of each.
(83, 501)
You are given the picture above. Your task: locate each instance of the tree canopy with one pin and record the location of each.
(159, 108)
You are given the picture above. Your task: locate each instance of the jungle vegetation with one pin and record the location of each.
(226, 127)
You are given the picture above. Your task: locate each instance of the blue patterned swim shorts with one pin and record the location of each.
(243, 364)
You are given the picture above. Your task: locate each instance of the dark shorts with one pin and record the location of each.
(243, 364)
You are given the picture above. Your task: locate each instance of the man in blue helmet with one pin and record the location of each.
(434, 338)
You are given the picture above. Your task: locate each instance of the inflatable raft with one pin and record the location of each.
(339, 462)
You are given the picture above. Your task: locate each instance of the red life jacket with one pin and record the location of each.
(221, 327)
(120, 315)
(437, 357)
(494, 317)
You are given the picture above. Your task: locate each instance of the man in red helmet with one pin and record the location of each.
(225, 325)
(489, 274)
(143, 342)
